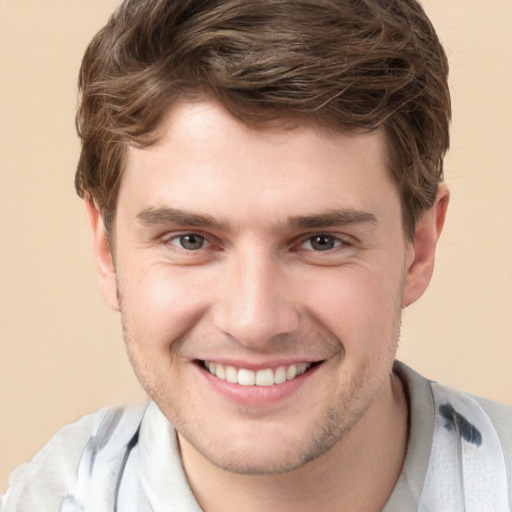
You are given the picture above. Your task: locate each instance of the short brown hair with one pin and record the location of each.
(342, 64)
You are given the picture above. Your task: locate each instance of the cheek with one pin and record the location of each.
(160, 305)
(360, 308)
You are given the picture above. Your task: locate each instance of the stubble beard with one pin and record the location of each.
(335, 424)
(329, 431)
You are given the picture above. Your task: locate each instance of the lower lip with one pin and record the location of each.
(256, 395)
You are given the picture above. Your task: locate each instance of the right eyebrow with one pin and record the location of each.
(163, 215)
(332, 218)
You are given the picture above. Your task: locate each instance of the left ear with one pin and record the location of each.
(102, 255)
(421, 251)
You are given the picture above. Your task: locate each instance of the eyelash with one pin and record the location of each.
(338, 242)
(175, 240)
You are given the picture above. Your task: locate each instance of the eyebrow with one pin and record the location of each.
(331, 218)
(163, 215)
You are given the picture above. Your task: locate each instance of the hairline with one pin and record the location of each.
(285, 122)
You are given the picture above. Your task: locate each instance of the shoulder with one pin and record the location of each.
(417, 385)
(473, 418)
(500, 416)
(421, 389)
(51, 476)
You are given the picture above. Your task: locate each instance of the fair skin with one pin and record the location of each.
(244, 254)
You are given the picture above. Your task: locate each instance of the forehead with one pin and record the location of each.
(206, 159)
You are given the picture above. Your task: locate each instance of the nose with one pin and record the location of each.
(255, 302)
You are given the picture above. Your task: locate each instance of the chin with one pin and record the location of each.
(259, 463)
(268, 452)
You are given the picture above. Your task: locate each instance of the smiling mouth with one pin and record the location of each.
(263, 377)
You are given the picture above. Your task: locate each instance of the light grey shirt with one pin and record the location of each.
(459, 454)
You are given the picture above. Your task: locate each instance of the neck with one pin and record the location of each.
(358, 474)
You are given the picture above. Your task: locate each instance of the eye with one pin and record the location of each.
(190, 241)
(321, 242)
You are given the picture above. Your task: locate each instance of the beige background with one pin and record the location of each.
(61, 349)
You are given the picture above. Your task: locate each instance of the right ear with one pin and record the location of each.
(102, 256)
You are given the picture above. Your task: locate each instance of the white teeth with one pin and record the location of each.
(265, 377)
(231, 374)
(291, 373)
(245, 377)
(280, 375)
(220, 371)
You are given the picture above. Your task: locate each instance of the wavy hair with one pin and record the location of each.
(342, 64)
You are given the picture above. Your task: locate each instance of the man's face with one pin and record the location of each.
(258, 255)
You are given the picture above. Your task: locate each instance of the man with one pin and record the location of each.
(263, 181)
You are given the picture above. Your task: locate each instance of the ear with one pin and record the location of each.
(421, 251)
(102, 256)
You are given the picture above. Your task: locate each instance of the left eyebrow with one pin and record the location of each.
(151, 216)
(331, 218)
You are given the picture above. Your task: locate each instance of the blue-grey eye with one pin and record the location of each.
(191, 242)
(323, 242)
